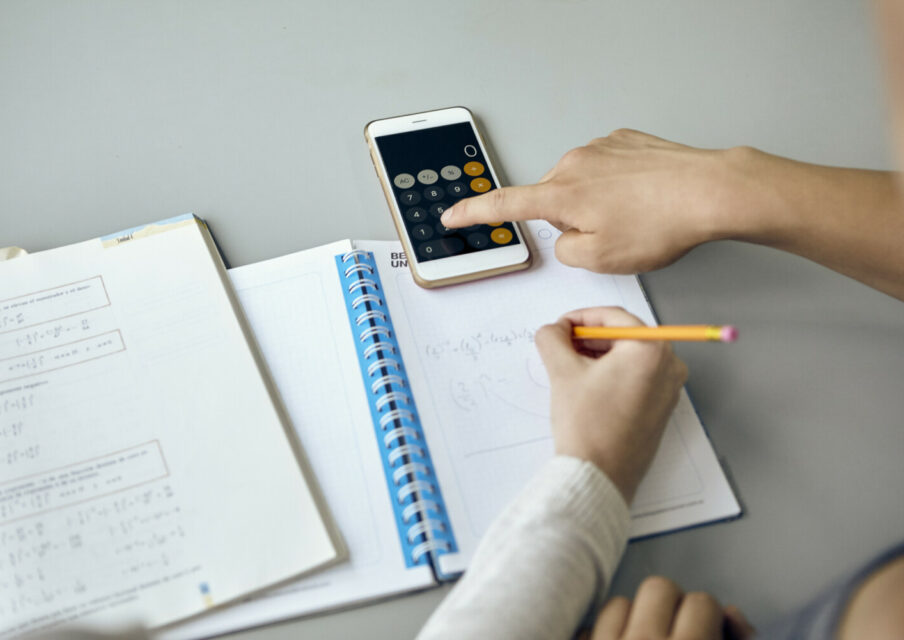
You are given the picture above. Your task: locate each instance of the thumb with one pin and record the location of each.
(501, 205)
(556, 348)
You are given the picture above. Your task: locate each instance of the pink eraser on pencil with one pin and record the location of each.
(728, 334)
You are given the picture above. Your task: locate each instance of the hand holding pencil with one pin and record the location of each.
(610, 399)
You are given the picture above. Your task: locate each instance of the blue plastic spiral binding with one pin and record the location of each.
(420, 514)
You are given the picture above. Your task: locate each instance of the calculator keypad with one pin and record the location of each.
(424, 198)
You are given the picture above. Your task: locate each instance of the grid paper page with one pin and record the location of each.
(295, 307)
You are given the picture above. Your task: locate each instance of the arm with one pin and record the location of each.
(632, 202)
(543, 562)
(546, 561)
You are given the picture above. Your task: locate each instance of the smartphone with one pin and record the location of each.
(426, 162)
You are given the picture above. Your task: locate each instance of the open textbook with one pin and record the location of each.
(423, 412)
(142, 450)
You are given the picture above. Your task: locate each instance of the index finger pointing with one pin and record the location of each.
(502, 205)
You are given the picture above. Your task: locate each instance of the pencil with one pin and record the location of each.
(696, 333)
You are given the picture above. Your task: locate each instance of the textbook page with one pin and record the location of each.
(296, 309)
(483, 394)
(145, 472)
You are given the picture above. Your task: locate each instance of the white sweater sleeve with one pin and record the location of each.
(543, 563)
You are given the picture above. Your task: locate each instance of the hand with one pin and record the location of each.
(632, 202)
(611, 400)
(662, 610)
(627, 203)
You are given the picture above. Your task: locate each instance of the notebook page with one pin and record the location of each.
(126, 393)
(295, 307)
(483, 393)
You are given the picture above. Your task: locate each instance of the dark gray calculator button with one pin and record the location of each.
(437, 209)
(478, 240)
(452, 245)
(422, 232)
(415, 214)
(409, 198)
(433, 193)
(457, 189)
(443, 230)
(432, 249)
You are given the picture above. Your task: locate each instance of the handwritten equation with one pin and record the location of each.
(473, 346)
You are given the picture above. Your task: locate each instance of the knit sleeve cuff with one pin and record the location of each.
(581, 496)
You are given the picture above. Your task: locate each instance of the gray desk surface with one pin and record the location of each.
(251, 115)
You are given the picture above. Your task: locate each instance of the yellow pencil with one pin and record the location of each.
(697, 333)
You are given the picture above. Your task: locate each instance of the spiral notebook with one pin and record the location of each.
(423, 412)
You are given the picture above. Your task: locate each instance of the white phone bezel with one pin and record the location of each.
(452, 266)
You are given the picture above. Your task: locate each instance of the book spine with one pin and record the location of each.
(421, 518)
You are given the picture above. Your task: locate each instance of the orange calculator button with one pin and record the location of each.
(474, 168)
(479, 184)
(501, 236)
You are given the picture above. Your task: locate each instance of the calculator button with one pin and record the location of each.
(440, 248)
(443, 230)
(403, 181)
(501, 235)
(438, 209)
(427, 176)
(478, 240)
(422, 232)
(452, 245)
(457, 189)
(415, 214)
(410, 197)
(474, 168)
(434, 193)
(480, 185)
(430, 250)
(450, 172)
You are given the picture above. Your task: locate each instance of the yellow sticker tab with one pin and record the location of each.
(136, 233)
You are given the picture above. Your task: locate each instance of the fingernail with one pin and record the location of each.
(446, 217)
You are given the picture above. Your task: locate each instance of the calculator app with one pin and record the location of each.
(431, 170)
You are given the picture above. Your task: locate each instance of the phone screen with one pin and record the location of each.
(430, 170)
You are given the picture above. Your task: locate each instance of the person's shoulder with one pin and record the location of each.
(875, 610)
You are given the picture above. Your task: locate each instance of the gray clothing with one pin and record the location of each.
(820, 618)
